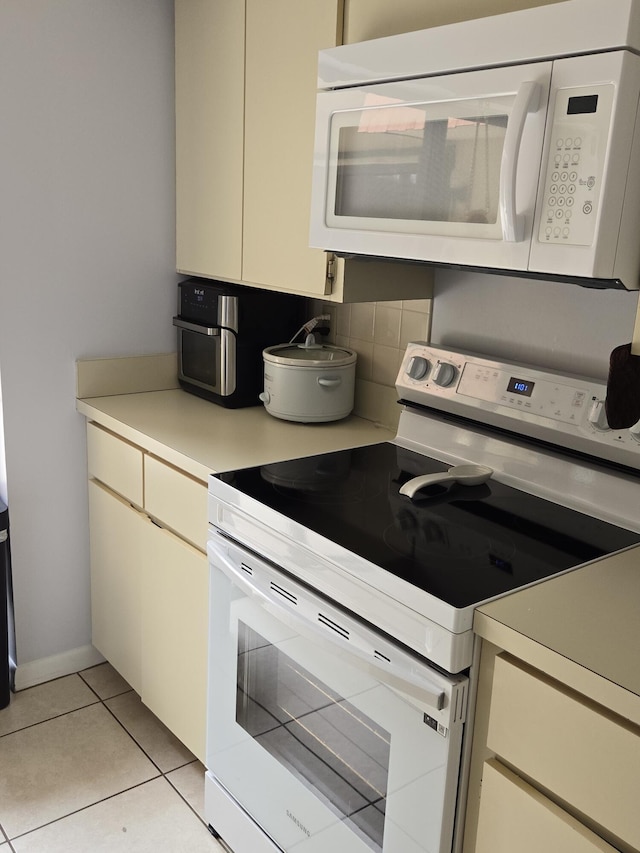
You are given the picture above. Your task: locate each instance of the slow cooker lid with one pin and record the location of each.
(323, 354)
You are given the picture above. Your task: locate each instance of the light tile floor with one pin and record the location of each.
(84, 766)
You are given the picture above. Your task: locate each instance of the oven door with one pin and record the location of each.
(326, 734)
(206, 357)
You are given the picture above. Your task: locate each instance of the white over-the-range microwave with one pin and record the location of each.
(509, 143)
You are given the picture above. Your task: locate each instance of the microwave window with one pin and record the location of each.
(337, 751)
(395, 162)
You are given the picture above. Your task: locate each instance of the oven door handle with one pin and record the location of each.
(212, 331)
(402, 680)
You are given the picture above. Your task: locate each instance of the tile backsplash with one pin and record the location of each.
(378, 332)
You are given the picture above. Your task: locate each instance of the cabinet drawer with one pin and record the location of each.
(574, 749)
(115, 462)
(514, 816)
(176, 500)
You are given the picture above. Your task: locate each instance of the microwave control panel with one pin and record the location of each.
(575, 166)
(548, 405)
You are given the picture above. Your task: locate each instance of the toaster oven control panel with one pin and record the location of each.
(561, 409)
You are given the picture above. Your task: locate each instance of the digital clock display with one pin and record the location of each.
(520, 386)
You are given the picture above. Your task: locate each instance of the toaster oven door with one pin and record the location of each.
(206, 357)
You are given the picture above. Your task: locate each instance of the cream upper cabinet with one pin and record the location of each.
(283, 40)
(245, 112)
(209, 136)
(371, 19)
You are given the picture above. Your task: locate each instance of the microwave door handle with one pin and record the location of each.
(401, 681)
(526, 102)
(212, 331)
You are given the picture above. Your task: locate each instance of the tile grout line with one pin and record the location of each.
(83, 809)
(184, 800)
(49, 719)
(124, 728)
(62, 713)
(103, 799)
(159, 775)
(164, 774)
(4, 838)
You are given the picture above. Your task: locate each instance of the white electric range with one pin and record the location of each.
(342, 665)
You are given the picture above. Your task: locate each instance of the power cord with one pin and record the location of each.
(321, 323)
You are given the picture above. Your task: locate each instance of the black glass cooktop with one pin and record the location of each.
(463, 544)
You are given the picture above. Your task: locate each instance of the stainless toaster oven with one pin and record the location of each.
(222, 330)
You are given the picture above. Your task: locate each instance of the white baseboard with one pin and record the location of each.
(45, 669)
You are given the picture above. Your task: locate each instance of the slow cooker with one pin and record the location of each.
(308, 382)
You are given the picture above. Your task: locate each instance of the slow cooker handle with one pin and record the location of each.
(329, 382)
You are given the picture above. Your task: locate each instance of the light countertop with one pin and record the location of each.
(202, 438)
(583, 628)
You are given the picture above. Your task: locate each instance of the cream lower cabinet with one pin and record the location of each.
(118, 547)
(514, 816)
(551, 770)
(174, 611)
(149, 581)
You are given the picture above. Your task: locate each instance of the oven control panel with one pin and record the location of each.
(515, 389)
(562, 409)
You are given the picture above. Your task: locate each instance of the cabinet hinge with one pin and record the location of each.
(331, 268)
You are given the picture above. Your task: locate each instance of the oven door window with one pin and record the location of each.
(325, 741)
(313, 744)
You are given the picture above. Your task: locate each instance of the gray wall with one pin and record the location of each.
(86, 265)
(549, 324)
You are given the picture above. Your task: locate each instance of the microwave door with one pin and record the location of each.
(441, 170)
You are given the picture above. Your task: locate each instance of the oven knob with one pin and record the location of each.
(443, 374)
(417, 368)
(598, 416)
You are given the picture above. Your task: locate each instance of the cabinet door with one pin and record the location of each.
(283, 40)
(118, 541)
(371, 19)
(575, 750)
(174, 613)
(516, 817)
(209, 136)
